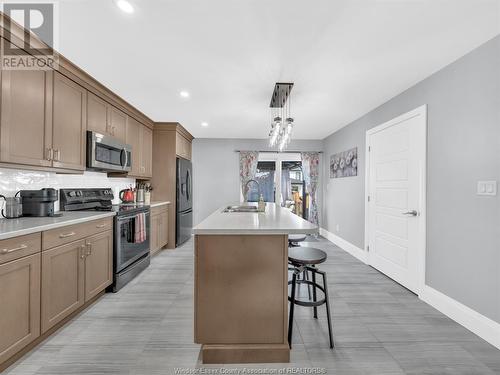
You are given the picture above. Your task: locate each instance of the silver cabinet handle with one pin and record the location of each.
(89, 248)
(6, 251)
(82, 253)
(411, 213)
(57, 154)
(100, 226)
(65, 235)
(50, 154)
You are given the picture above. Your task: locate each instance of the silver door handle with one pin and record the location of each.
(411, 213)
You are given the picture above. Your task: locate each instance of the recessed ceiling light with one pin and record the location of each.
(205, 124)
(125, 6)
(184, 94)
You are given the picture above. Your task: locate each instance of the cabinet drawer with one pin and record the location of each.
(70, 233)
(18, 247)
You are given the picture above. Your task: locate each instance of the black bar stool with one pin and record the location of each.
(294, 239)
(304, 259)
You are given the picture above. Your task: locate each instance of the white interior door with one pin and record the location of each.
(396, 198)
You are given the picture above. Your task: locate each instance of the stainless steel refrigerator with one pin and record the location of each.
(184, 207)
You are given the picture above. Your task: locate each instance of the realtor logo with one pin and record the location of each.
(26, 24)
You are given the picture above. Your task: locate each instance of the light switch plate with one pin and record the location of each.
(487, 188)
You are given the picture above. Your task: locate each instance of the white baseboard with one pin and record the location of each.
(482, 326)
(348, 247)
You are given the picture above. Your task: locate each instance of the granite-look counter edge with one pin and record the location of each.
(26, 225)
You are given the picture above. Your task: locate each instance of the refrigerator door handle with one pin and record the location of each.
(188, 185)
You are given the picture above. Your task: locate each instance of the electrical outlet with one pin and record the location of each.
(337, 228)
(487, 188)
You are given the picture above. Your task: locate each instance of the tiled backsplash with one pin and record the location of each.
(13, 180)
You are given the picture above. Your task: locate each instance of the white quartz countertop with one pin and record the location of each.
(276, 220)
(26, 225)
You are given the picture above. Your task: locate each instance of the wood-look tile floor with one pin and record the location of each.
(379, 328)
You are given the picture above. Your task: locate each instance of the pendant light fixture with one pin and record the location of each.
(281, 120)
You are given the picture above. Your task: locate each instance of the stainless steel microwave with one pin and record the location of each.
(107, 153)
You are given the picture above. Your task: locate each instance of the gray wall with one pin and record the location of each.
(463, 229)
(216, 170)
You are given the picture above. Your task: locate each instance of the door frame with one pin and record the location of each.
(420, 111)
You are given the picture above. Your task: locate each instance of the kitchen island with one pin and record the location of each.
(241, 284)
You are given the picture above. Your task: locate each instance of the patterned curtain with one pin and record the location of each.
(248, 169)
(310, 167)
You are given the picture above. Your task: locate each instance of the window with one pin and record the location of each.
(265, 177)
(279, 179)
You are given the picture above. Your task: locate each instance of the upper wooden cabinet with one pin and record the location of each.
(43, 120)
(133, 138)
(140, 137)
(182, 146)
(26, 117)
(104, 118)
(117, 123)
(147, 151)
(97, 114)
(69, 123)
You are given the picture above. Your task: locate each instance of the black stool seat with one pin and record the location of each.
(303, 256)
(296, 237)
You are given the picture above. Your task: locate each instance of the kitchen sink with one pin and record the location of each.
(240, 209)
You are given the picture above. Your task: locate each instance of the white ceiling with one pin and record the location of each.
(345, 57)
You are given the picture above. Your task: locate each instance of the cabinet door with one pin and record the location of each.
(163, 228)
(183, 146)
(147, 152)
(155, 229)
(134, 138)
(62, 282)
(69, 123)
(20, 304)
(26, 123)
(179, 145)
(98, 263)
(117, 123)
(97, 114)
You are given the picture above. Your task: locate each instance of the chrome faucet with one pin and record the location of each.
(246, 188)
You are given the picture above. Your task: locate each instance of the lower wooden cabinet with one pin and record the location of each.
(163, 237)
(155, 228)
(98, 263)
(63, 281)
(19, 304)
(42, 285)
(159, 228)
(74, 273)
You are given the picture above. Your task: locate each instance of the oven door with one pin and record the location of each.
(128, 245)
(107, 153)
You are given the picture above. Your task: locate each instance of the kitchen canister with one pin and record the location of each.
(140, 196)
(12, 208)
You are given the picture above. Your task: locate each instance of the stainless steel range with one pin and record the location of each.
(131, 230)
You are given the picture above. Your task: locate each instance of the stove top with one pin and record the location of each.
(95, 199)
